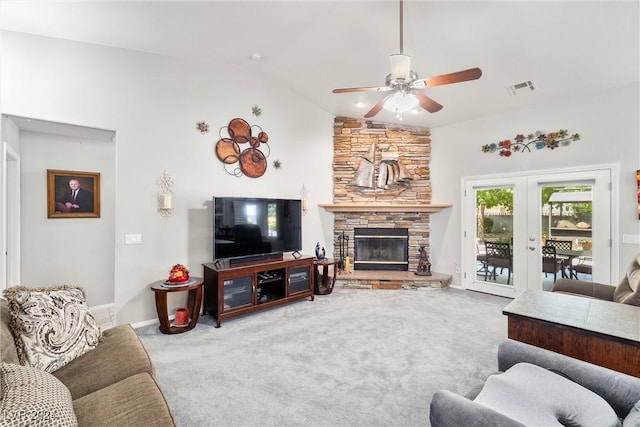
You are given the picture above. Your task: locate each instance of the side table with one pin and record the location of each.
(194, 287)
(322, 284)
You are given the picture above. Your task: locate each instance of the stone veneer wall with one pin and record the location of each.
(352, 139)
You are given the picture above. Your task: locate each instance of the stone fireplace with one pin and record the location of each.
(402, 204)
(398, 206)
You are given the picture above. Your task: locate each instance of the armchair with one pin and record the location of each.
(626, 292)
(581, 387)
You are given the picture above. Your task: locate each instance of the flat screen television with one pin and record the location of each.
(251, 228)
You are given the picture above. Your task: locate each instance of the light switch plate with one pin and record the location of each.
(633, 239)
(133, 239)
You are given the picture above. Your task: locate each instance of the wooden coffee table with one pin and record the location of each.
(600, 332)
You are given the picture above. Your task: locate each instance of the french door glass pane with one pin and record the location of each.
(566, 219)
(494, 235)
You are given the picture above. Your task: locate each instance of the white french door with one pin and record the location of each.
(524, 215)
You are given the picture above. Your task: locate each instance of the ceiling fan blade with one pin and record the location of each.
(427, 103)
(362, 89)
(457, 77)
(376, 108)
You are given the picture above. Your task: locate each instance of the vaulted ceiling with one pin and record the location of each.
(566, 48)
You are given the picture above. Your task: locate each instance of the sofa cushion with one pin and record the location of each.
(633, 418)
(33, 397)
(51, 326)
(135, 401)
(8, 352)
(536, 396)
(119, 355)
(628, 291)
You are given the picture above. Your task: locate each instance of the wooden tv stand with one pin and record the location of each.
(234, 290)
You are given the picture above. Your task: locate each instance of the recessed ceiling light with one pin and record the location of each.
(359, 103)
(255, 57)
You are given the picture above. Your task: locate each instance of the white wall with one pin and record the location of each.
(67, 246)
(153, 104)
(608, 124)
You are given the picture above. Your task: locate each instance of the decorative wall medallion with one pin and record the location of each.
(252, 160)
(203, 127)
(257, 111)
(277, 164)
(538, 140)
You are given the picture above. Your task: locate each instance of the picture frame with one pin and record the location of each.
(82, 202)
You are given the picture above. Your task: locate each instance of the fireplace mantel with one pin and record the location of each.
(385, 207)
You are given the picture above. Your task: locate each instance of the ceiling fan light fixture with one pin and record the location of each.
(401, 102)
(400, 66)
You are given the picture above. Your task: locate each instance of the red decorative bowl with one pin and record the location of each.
(178, 274)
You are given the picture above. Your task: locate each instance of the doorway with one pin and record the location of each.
(10, 190)
(526, 231)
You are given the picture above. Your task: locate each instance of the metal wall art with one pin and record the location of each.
(390, 171)
(251, 161)
(203, 127)
(537, 140)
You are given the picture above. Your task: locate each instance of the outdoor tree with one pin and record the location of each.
(486, 199)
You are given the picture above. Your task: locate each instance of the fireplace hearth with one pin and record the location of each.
(381, 249)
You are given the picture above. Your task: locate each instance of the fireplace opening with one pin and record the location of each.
(381, 249)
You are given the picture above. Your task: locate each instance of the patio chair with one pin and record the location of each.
(551, 263)
(563, 245)
(498, 255)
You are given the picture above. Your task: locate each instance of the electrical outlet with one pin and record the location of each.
(133, 239)
(457, 268)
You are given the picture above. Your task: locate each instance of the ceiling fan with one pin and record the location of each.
(405, 86)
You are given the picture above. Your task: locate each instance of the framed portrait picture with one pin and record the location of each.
(73, 194)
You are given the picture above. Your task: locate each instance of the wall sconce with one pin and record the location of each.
(165, 195)
(305, 201)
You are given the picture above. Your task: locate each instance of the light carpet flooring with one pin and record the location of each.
(353, 358)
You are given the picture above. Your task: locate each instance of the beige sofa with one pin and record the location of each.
(626, 292)
(111, 385)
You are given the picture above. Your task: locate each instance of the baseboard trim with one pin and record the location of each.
(147, 323)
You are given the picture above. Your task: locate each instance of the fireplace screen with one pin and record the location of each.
(381, 249)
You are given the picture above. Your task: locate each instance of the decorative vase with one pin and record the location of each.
(320, 252)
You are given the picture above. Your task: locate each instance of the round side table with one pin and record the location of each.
(194, 287)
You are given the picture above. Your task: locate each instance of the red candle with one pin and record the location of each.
(182, 316)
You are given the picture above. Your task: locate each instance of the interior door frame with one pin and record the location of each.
(523, 270)
(10, 212)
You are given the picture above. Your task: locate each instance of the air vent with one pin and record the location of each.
(521, 87)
